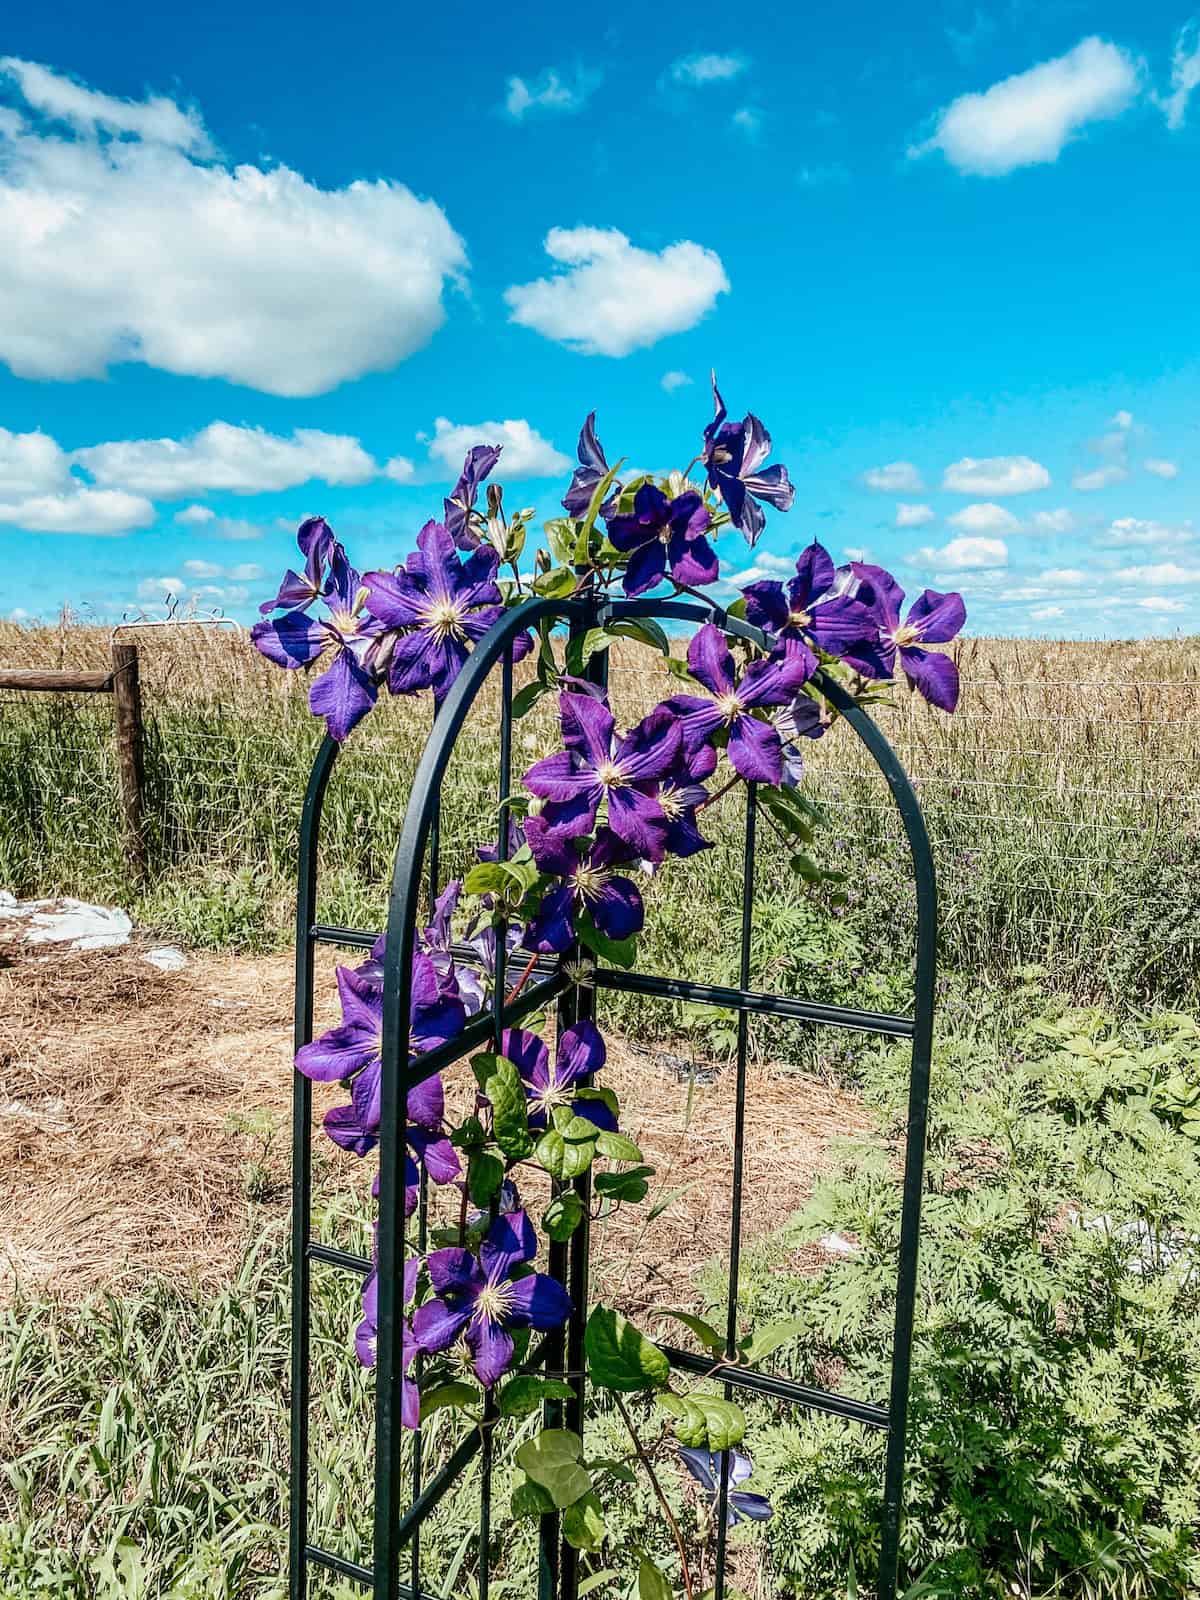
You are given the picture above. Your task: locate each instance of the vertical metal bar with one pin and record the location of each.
(306, 916)
(131, 769)
(739, 1139)
(910, 1212)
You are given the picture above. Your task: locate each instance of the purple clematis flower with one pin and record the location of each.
(933, 618)
(581, 1052)
(592, 470)
(589, 884)
(479, 464)
(680, 793)
(734, 453)
(801, 720)
(347, 689)
(478, 1301)
(705, 1467)
(320, 550)
(353, 1050)
(597, 766)
(456, 978)
(445, 603)
(662, 533)
(754, 747)
(814, 607)
(366, 1338)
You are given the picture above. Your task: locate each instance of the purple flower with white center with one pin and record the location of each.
(347, 689)
(933, 618)
(353, 1050)
(320, 550)
(705, 1467)
(589, 884)
(661, 533)
(595, 767)
(480, 462)
(580, 1053)
(366, 1338)
(813, 607)
(680, 794)
(446, 605)
(754, 747)
(592, 470)
(734, 453)
(478, 1301)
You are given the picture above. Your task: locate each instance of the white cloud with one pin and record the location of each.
(914, 516)
(898, 477)
(1126, 532)
(120, 245)
(1064, 577)
(79, 510)
(674, 380)
(1185, 74)
(161, 588)
(1029, 117)
(223, 456)
(399, 469)
(1160, 468)
(244, 572)
(995, 475)
(748, 120)
(1060, 521)
(236, 528)
(1122, 420)
(765, 565)
(816, 177)
(613, 297)
(526, 453)
(1158, 602)
(963, 555)
(31, 463)
(549, 91)
(156, 120)
(1161, 574)
(698, 70)
(1100, 477)
(984, 518)
(194, 516)
(1046, 613)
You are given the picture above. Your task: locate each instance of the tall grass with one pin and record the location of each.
(1062, 800)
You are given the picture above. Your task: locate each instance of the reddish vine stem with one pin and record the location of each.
(658, 1490)
(522, 980)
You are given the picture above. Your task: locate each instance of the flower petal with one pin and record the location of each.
(343, 695)
(587, 727)
(492, 1349)
(290, 641)
(528, 1054)
(538, 1301)
(508, 1243)
(436, 1154)
(436, 1325)
(646, 568)
(933, 674)
(618, 910)
(581, 1051)
(338, 1053)
(394, 598)
(940, 617)
(454, 1271)
(710, 661)
(755, 750)
(814, 576)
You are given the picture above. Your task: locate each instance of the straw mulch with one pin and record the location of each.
(118, 1158)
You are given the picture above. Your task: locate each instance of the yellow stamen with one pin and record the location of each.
(905, 635)
(611, 775)
(729, 706)
(345, 622)
(444, 619)
(494, 1302)
(590, 881)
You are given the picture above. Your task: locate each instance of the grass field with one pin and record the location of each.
(1063, 800)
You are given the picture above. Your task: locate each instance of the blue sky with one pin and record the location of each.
(265, 261)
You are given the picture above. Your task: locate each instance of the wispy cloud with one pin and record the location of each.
(550, 91)
(1185, 74)
(697, 71)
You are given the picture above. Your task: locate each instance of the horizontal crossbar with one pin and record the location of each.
(803, 1394)
(755, 1001)
(338, 1258)
(344, 1568)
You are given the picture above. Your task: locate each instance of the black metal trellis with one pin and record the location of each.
(397, 1480)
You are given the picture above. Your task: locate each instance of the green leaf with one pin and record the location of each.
(645, 630)
(562, 1158)
(717, 1424)
(486, 878)
(767, 1340)
(562, 1216)
(457, 1396)
(595, 1581)
(529, 1499)
(606, 1097)
(652, 1581)
(583, 1523)
(510, 1107)
(561, 536)
(521, 1396)
(619, 1357)
(554, 1459)
(599, 496)
(617, 1147)
(557, 584)
(704, 1331)
(525, 699)
(485, 1174)
(630, 1185)
(621, 952)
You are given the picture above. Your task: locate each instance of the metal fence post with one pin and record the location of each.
(131, 769)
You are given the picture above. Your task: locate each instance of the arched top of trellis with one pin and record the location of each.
(394, 1530)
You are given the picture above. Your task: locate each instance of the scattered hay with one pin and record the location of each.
(118, 1157)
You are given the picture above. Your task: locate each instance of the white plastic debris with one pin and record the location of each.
(837, 1244)
(71, 922)
(167, 958)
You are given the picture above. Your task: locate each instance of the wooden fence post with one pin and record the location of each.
(127, 703)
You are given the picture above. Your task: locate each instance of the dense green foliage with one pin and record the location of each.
(1056, 1392)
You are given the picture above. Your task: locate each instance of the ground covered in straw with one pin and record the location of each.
(144, 1128)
